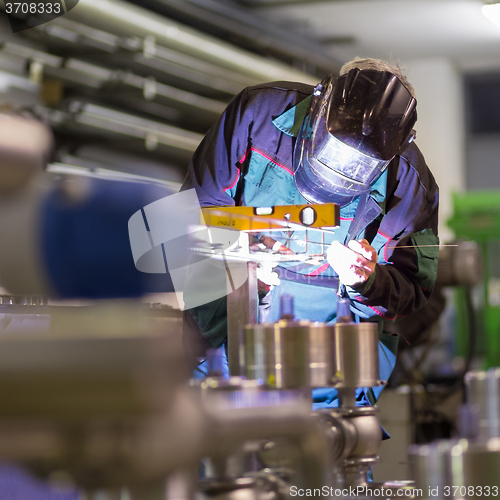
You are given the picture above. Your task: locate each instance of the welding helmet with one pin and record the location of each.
(355, 126)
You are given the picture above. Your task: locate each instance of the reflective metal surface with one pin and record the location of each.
(465, 468)
(356, 355)
(457, 468)
(483, 392)
(430, 465)
(242, 309)
(288, 354)
(277, 354)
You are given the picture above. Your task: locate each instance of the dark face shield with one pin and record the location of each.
(355, 126)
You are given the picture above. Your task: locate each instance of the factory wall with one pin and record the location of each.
(440, 128)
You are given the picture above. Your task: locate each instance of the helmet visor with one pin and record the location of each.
(346, 161)
(326, 169)
(355, 126)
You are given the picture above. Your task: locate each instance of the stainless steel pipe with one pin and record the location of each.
(292, 355)
(356, 355)
(483, 392)
(289, 354)
(459, 469)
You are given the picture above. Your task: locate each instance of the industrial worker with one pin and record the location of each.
(347, 141)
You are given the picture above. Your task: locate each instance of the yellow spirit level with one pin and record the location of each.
(278, 217)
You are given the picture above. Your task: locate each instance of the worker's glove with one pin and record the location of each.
(266, 276)
(354, 263)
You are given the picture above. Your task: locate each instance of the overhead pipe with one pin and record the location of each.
(128, 20)
(240, 20)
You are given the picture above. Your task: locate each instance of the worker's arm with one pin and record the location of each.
(404, 284)
(214, 169)
(406, 243)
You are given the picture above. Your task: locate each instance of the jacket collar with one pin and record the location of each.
(289, 122)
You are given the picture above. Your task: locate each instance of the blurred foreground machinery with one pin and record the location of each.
(476, 217)
(99, 395)
(467, 466)
(103, 400)
(440, 343)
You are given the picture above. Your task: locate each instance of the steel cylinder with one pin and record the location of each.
(302, 354)
(276, 354)
(456, 468)
(483, 392)
(356, 355)
(289, 354)
(430, 466)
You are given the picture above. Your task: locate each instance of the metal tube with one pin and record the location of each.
(124, 19)
(296, 424)
(242, 309)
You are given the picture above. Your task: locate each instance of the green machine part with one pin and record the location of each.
(476, 216)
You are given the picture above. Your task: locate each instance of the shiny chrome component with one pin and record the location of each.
(103, 397)
(299, 355)
(242, 309)
(289, 354)
(460, 467)
(465, 468)
(356, 433)
(276, 354)
(430, 465)
(460, 265)
(246, 411)
(292, 355)
(356, 355)
(483, 392)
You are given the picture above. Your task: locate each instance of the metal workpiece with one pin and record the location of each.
(77, 378)
(242, 309)
(289, 354)
(458, 469)
(108, 453)
(430, 464)
(241, 412)
(321, 343)
(354, 438)
(465, 467)
(356, 355)
(480, 463)
(460, 264)
(368, 433)
(98, 396)
(276, 354)
(299, 354)
(483, 396)
(292, 423)
(340, 433)
(102, 448)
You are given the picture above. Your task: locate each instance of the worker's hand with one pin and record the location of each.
(267, 278)
(353, 263)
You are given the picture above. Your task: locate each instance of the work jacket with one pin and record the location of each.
(247, 159)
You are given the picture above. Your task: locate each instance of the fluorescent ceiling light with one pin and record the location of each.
(492, 12)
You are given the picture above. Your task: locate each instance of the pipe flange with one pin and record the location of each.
(358, 411)
(356, 462)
